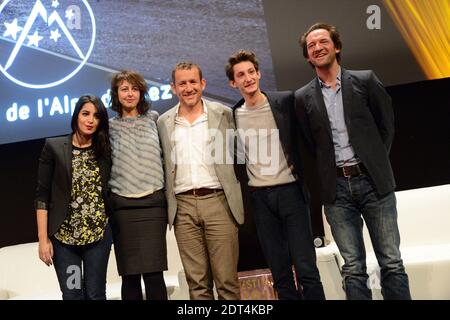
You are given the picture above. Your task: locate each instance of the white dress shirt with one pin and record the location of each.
(193, 168)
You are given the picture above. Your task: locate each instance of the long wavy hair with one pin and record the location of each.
(136, 79)
(100, 138)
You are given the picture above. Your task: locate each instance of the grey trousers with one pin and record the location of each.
(207, 238)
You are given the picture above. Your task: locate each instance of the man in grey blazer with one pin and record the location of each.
(204, 197)
(351, 120)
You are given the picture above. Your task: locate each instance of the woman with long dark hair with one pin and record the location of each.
(72, 203)
(139, 219)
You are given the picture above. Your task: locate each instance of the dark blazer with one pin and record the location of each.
(55, 180)
(282, 105)
(369, 118)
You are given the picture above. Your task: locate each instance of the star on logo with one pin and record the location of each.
(45, 22)
(34, 39)
(69, 14)
(55, 35)
(12, 29)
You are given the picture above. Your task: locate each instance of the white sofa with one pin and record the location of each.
(24, 276)
(424, 223)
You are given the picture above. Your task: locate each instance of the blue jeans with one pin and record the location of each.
(356, 199)
(81, 270)
(283, 225)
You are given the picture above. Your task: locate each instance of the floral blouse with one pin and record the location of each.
(86, 220)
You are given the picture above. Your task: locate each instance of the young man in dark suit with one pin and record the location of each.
(279, 200)
(352, 124)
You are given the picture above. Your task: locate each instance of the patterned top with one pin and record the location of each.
(137, 168)
(86, 220)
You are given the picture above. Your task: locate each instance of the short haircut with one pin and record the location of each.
(238, 57)
(334, 35)
(186, 65)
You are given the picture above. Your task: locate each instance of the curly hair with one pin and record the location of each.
(136, 79)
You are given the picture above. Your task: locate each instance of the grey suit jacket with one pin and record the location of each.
(369, 118)
(220, 118)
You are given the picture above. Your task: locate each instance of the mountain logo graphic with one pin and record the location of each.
(43, 23)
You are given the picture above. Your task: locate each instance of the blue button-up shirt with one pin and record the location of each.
(344, 153)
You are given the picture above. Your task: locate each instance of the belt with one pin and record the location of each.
(200, 192)
(351, 171)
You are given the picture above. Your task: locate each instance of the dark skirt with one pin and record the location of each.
(139, 232)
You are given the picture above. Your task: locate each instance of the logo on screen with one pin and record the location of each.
(44, 43)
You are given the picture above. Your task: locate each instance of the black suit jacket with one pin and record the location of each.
(55, 180)
(282, 106)
(369, 119)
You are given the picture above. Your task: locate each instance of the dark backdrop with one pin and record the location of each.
(382, 50)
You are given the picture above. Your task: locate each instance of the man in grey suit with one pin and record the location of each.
(351, 120)
(204, 197)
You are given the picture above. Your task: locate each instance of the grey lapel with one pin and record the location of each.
(170, 126)
(214, 116)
